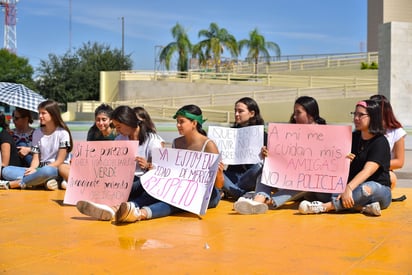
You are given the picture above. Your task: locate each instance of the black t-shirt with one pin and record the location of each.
(5, 137)
(375, 149)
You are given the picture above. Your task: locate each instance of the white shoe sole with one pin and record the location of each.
(52, 185)
(97, 211)
(247, 207)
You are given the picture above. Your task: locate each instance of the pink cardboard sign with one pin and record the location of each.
(182, 178)
(101, 171)
(308, 157)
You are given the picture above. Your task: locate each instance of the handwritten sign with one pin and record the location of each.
(182, 178)
(307, 157)
(101, 171)
(238, 145)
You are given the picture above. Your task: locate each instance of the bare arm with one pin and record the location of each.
(212, 148)
(398, 154)
(5, 154)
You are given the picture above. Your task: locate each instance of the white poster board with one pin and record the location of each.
(238, 145)
(182, 178)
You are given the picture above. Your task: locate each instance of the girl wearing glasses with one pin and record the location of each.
(23, 133)
(368, 188)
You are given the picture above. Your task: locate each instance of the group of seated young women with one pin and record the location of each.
(378, 143)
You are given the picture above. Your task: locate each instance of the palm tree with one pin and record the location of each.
(216, 40)
(258, 47)
(181, 45)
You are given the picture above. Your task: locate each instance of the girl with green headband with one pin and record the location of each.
(189, 122)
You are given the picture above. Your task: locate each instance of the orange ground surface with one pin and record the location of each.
(40, 235)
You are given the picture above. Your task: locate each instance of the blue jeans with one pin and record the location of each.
(27, 158)
(37, 178)
(379, 193)
(158, 209)
(281, 196)
(237, 184)
(137, 189)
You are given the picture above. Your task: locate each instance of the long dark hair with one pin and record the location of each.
(126, 115)
(194, 110)
(387, 112)
(311, 107)
(144, 116)
(375, 117)
(252, 106)
(52, 107)
(3, 121)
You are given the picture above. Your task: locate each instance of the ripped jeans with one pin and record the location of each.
(378, 193)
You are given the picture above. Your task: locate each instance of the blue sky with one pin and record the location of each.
(297, 26)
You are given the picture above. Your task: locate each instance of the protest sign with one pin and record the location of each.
(308, 157)
(101, 171)
(182, 178)
(238, 145)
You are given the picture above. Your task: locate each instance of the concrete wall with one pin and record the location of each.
(395, 68)
(109, 86)
(385, 11)
(135, 89)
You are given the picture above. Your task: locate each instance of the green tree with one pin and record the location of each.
(15, 69)
(76, 76)
(181, 46)
(216, 40)
(258, 47)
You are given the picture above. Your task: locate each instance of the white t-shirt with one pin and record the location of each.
(145, 149)
(48, 145)
(393, 135)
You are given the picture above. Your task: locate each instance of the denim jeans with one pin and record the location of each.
(281, 196)
(158, 209)
(27, 158)
(237, 184)
(37, 178)
(378, 193)
(137, 189)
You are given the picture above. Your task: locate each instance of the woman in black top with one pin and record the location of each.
(368, 188)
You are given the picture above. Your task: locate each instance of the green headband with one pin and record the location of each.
(188, 115)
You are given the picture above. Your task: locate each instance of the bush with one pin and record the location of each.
(373, 66)
(364, 66)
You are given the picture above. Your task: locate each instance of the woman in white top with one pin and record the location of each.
(51, 145)
(395, 135)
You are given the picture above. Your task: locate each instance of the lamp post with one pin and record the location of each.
(122, 36)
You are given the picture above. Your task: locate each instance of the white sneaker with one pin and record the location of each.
(51, 185)
(63, 185)
(248, 207)
(96, 210)
(4, 185)
(315, 207)
(372, 209)
(128, 212)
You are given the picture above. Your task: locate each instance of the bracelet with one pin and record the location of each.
(349, 187)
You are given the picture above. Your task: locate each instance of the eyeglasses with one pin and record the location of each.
(358, 115)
